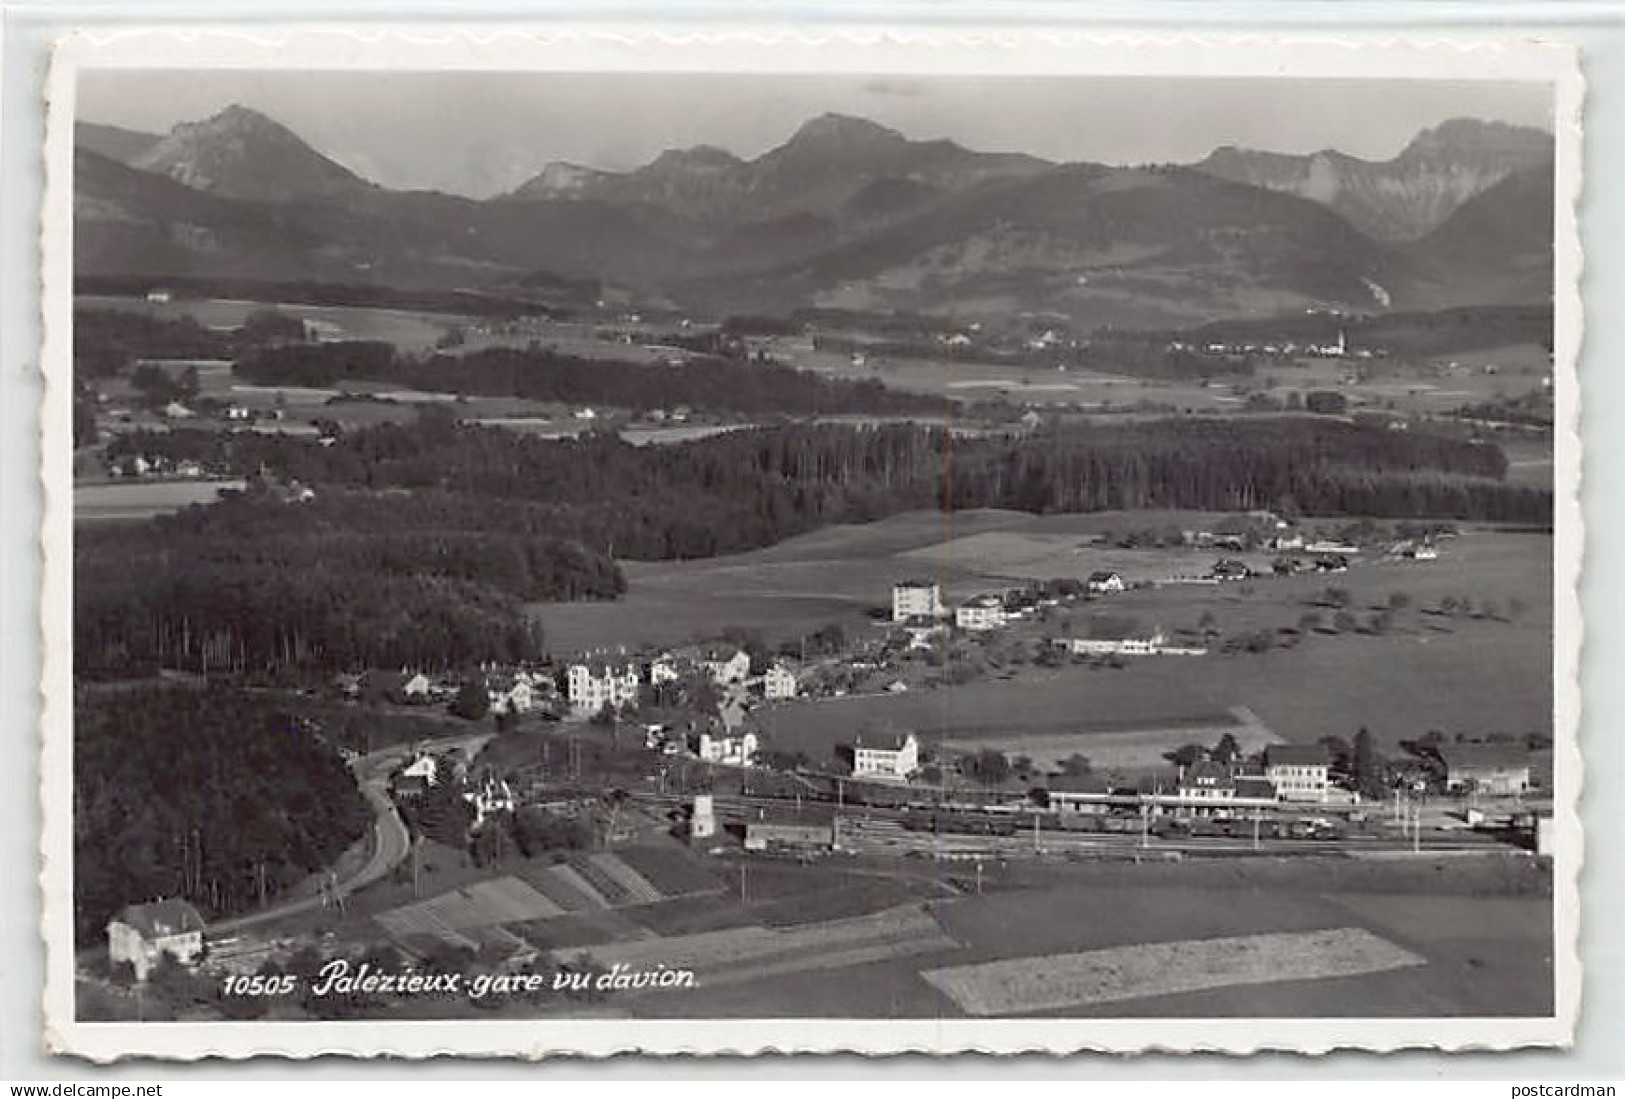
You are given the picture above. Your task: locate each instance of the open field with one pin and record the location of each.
(127, 500)
(1291, 938)
(1425, 388)
(838, 574)
(1065, 710)
(1015, 556)
(1124, 750)
(1053, 982)
(1458, 674)
(408, 329)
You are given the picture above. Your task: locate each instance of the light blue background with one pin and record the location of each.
(1599, 27)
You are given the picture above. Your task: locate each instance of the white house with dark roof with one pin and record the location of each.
(1299, 772)
(779, 682)
(1107, 637)
(1102, 582)
(591, 685)
(1496, 769)
(894, 757)
(727, 664)
(142, 934)
(981, 612)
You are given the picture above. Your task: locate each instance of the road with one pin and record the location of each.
(391, 842)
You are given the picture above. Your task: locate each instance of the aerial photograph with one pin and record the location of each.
(606, 545)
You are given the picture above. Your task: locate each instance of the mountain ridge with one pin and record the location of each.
(1406, 196)
(844, 213)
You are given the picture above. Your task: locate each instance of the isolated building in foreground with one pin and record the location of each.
(142, 934)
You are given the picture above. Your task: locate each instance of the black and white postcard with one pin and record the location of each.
(593, 541)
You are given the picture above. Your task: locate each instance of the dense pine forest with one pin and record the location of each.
(712, 383)
(425, 541)
(158, 771)
(348, 580)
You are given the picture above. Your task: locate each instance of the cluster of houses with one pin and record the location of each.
(585, 686)
(917, 605)
(1327, 349)
(598, 681)
(425, 771)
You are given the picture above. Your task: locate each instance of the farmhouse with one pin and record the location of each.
(510, 694)
(142, 934)
(916, 599)
(492, 796)
(665, 668)
(895, 757)
(1109, 637)
(1486, 769)
(1102, 582)
(402, 686)
(417, 777)
(982, 612)
(730, 750)
(592, 685)
(779, 682)
(726, 664)
(1299, 772)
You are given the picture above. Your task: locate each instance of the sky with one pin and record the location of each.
(484, 133)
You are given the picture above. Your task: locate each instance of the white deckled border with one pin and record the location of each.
(897, 50)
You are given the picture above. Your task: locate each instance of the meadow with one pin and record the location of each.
(1459, 674)
(1467, 937)
(131, 500)
(408, 329)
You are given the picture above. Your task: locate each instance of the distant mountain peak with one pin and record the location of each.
(845, 129)
(1404, 197)
(1476, 136)
(709, 157)
(241, 153)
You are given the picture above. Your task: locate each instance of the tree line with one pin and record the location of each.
(710, 383)
(257, 585)
(426, 539)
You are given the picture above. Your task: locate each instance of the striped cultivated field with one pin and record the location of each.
(1019, 986)
(753, 952)
(583, 885)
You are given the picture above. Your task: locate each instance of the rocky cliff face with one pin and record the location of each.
(1405, 198)
(240, 153)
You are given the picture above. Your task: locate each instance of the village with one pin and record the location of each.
(588, 761)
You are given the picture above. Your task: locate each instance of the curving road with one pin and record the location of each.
(391, 842)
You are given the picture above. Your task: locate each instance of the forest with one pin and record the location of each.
(425, 541)
(259, 586)
(106, 341)
(214, 795)
(713, 384)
